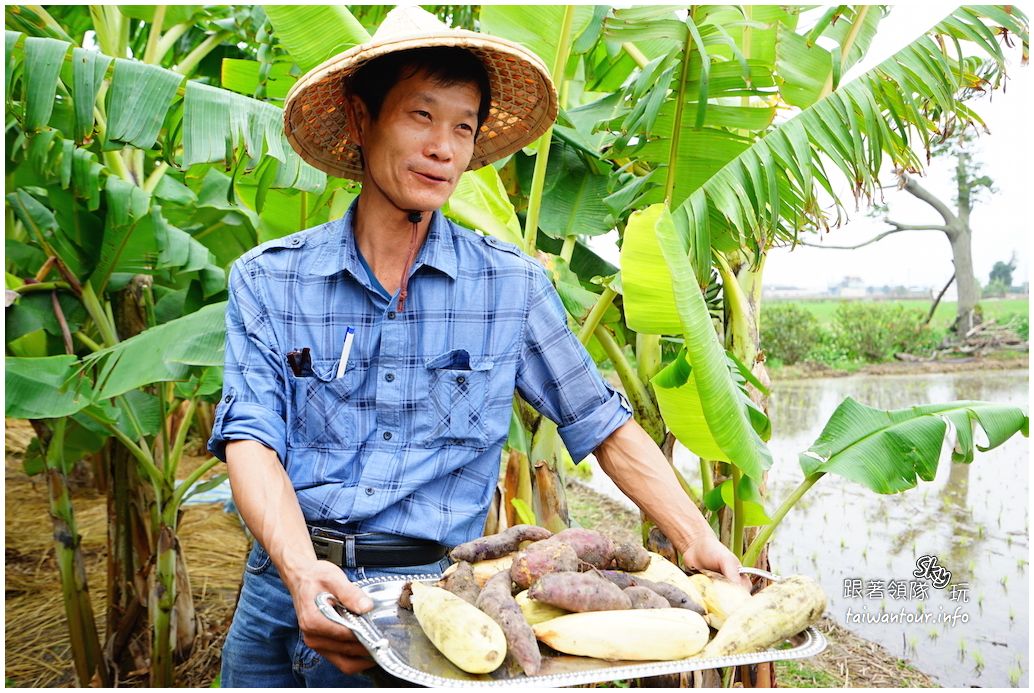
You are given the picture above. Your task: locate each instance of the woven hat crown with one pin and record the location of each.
(523, 103)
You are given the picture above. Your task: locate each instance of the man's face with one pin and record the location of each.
(422, 141)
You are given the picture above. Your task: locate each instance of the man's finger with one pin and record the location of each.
(350, 665)
(731, 570)
(354, 599)
(329, 646)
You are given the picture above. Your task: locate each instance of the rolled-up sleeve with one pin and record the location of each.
(557, 376)
(253, 405)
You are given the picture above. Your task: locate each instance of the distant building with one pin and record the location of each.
(777, 291)
(849, 287)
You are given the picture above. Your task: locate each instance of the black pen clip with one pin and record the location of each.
(300, 362)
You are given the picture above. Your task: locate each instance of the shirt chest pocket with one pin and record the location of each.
(458, 386)
(324, 410)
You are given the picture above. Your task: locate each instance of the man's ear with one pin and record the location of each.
(358, 116)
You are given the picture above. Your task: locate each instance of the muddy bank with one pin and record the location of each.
(811, 369)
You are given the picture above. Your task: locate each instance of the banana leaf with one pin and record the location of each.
(886, 450)
(720, 398)
(314, 33)
(44, 388)
(160, 354)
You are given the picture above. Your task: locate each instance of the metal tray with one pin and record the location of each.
(400, 647)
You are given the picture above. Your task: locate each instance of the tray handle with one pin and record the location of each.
(762, 573)
(328, 605)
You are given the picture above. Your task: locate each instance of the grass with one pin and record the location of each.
(999, 309)
(797, 674)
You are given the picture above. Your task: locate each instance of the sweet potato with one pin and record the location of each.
(674, 597)
(541, 558)
(630, 557)
(579, 592)
(461, 583)
(645, 598)
(497, 545)
(592, 547)
(483, 570)
(406, 596)
(496, 601)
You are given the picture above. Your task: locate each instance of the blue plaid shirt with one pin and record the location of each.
(408, 441)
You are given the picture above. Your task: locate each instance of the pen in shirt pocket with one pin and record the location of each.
(346, 349)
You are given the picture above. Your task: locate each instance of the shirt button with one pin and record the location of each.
(390, 377)
(228, 398)
(369, 491)
(295, 241)
(391, 315)
(387, 435)
(461, 379)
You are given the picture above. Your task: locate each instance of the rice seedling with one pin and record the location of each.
(962, 648)
(933, 634)
(913, 644)
(978, 661)
(1014, 676)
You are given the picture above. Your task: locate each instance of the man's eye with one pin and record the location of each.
(467, 128)
(423, 114)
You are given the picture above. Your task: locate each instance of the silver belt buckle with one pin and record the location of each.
(332, 550)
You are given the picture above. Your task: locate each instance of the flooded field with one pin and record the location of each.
(971, 521)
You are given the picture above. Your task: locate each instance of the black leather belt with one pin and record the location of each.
(355, 550)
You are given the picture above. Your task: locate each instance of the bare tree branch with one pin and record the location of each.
(916, 190)
(936, 302)
(917, 227)
(871, 240)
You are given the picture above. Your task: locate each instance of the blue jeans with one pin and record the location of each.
(264, 648)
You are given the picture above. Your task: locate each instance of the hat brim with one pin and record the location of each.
(523, 103)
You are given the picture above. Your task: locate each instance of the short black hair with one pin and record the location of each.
(446, 65)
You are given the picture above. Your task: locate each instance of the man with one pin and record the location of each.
(371, 361)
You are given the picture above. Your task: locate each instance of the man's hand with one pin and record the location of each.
(334, 642)
(707, 553)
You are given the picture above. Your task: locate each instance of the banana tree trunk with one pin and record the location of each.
(743, 339)
(90, 669)
(161, 600)
(124, 604)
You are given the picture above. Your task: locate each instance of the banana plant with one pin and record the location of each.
(114, 215)
(757, 187)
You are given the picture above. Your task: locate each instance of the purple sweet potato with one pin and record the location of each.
(630, 557)
(541, 558)
(592, 547)
(461, 582)
(405, 596)
(579, 592)
(645, 598)
(675, 597)
(497, 545)
(497, 601)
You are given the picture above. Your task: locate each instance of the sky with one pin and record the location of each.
(1001, 223)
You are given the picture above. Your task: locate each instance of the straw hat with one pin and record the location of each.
(523, 106)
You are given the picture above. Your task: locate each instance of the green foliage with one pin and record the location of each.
(842, 333)
(874, 332)
(789, 333)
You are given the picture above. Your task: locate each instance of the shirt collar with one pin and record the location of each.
(340, 252)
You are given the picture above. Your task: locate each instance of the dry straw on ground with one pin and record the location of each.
(38, 653)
